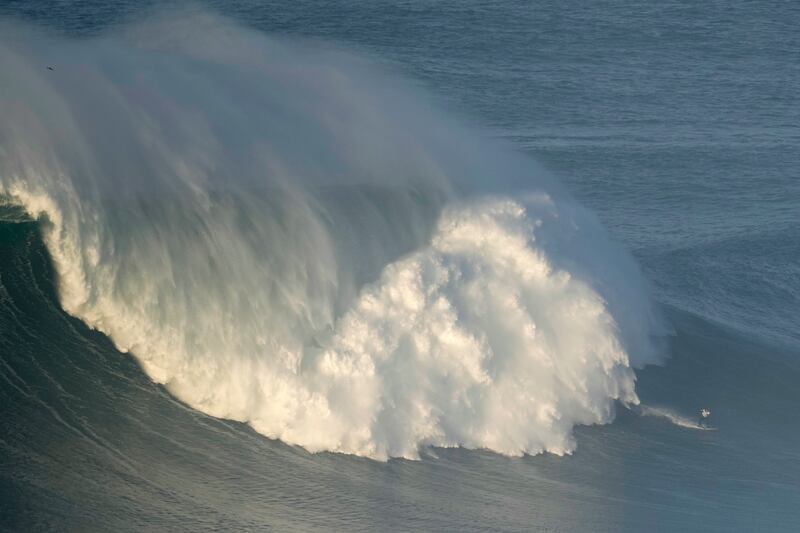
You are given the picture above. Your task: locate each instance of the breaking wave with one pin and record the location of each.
(290, 237)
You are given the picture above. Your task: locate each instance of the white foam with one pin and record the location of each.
(288, 237)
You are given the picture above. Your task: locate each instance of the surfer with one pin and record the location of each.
(704, 417)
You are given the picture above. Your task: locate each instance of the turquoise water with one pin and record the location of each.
(676, 124)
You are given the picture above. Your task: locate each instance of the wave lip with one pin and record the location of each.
(300, 243)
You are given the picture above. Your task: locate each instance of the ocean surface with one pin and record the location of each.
(399, 266)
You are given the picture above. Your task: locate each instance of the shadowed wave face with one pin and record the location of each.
(292, 238)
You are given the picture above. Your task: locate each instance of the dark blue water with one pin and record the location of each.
(678, 123)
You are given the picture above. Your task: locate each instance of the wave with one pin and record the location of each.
(290, 237)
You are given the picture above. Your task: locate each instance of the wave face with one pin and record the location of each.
(289, 237)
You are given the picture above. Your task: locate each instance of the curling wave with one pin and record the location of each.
(289, 237)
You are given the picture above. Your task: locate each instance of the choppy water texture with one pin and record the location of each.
(237, 233)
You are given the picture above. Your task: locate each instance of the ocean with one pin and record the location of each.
(399, 266)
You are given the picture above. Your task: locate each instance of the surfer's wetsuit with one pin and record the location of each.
(705, 416)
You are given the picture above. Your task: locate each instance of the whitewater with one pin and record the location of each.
(288, 235)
